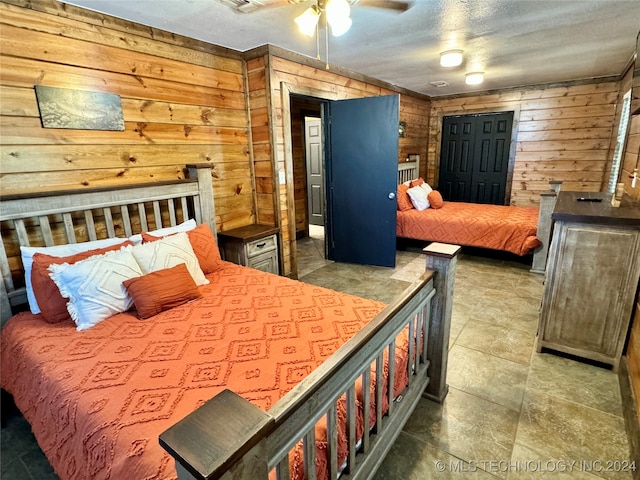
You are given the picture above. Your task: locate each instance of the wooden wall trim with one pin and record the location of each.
(103, 20)
(285, 93)
(273, 138)
(280, 52)
(540, 86)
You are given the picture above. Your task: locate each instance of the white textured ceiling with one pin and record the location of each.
(515, 42)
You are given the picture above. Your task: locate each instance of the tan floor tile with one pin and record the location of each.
(556, 428)
(486, 376)
(510, 344)
(577, 382)
(413, 459)
(465, 426)
(527, 464)
(503, 307)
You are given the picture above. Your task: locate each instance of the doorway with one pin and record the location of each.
(361, 150)
(474, 158)
(314, 161)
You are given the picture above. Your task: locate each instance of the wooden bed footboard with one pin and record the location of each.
(230, 438)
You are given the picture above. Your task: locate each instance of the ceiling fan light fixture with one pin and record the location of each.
(451, 58)
(308, 20)
(338, 12)
(340, 27)
(474, 78)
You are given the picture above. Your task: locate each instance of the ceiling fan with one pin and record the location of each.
(336, 14)
(247, 6)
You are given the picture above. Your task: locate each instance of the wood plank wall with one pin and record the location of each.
(563, 134)
(276, 67)
(183, 102)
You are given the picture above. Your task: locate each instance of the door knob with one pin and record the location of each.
(392, 195)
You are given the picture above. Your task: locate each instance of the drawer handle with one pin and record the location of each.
(260, 245)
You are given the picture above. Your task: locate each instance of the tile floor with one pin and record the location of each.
(509, 410)
(511, 413)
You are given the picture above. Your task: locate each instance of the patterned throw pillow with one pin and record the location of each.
(53, 306)
(27, 253)
(169, 252)
(94, 286)
(204, 246)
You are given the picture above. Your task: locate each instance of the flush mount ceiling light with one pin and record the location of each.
(474, 78)
(451, 58)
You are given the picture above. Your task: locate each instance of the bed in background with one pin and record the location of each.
(518, 230)
(98, 399)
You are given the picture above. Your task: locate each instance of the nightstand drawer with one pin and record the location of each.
(267, 262)
(261, 245)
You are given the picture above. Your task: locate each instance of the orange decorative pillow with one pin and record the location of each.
(435, 199)
(204, 246)
(404, 202)
(416, 183)
(53, 306)
(161, 290)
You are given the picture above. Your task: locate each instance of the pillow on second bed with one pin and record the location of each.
(404, 202)
(435, 199)
(418, 197)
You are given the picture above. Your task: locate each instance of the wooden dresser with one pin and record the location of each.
(254, 246)
(591, 277)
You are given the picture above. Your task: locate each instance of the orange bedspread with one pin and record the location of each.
(508, 228)
(98, 399)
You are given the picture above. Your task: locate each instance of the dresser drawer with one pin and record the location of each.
(262, 245)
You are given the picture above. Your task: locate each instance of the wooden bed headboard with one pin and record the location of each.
(407, 171)
(72, 212)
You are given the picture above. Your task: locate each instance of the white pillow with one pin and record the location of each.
(427, 188)
(27, 254)
(169, 252)
(162, 232)
(94, 286)
(418, 196)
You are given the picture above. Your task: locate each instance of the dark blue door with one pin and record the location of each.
(361, 168)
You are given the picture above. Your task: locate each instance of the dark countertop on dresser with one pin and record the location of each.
(569, 208)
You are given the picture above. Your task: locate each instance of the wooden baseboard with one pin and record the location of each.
(631, 418)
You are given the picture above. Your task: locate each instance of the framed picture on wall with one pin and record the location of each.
(79, 109)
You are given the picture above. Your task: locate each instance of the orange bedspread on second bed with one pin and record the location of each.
(98, 399)
(499, 227)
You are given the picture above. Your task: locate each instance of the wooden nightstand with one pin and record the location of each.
(254, 246)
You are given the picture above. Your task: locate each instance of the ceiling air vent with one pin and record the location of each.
(439, 83)
(244, 6)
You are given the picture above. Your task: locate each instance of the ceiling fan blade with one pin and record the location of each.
(387, 4)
